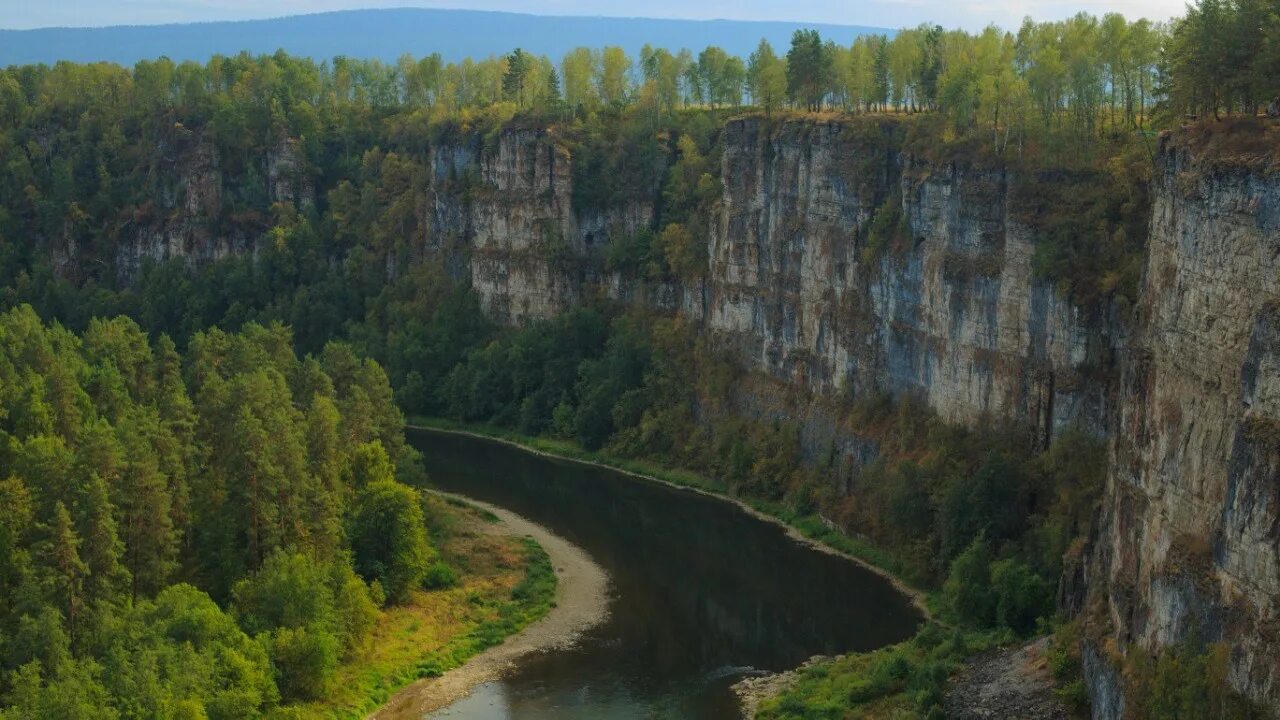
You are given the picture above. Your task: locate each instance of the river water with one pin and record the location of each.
(701, 592)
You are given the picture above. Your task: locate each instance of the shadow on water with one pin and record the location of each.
(701, 592)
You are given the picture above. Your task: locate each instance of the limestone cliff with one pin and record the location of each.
(193, 213)
(1190, 537)
(802, 281)
(953, 314)
(506, 210)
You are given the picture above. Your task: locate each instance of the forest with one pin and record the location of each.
(206, 497)
(199, 532)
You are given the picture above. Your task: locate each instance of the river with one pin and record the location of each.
(701, 593)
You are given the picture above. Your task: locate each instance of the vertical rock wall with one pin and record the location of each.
(509, 208)
(949, 311)
(1191, 520)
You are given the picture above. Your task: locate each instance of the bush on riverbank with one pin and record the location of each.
(907, 679)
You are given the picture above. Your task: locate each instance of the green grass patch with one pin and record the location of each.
(900, 681)
(532, 598)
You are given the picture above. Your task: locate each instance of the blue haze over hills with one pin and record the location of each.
(386, 34)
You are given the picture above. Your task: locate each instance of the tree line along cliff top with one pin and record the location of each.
(1048, 82)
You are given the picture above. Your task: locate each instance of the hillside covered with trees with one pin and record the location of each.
(202, 534)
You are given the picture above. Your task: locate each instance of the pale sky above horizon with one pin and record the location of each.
(969, 14)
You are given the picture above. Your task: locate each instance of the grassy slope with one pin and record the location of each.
(899, 681)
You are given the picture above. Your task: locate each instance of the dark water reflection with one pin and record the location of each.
(701, 592)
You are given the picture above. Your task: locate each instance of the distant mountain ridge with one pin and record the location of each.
(388, 33)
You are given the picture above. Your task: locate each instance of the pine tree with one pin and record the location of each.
(150, 540)
(15, 559)
(66, 571)
(810, 69)
(326, 496)
(880, 73)
(107, 577)
(175, 445)
(931, 65)
(552, 91)
(514, 81)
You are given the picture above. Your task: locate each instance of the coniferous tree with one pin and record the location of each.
(930, 65)
(146, 526)
(809, 69)
(551, 90)
(107, 579)
(66, 570)
(516, 79)
(880, 83)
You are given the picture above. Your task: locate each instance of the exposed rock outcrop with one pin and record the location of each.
(1011, 682)
(948, 309)
(508, 208)
(178, 220)
(189, 215)
(954, 315)
(1190, 537)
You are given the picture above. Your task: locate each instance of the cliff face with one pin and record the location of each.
(950, 311)
(189, 216)
(505, 213)
(1190, 537)
(177, 223)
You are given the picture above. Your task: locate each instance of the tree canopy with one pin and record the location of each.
(142, 487)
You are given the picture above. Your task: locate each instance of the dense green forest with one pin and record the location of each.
(198, 534)
(204, 502)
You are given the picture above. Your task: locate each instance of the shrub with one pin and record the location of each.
(304, 661)
(1021, 596)
(440, 576)
(982, 502)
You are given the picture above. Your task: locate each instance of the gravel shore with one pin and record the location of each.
(581, 603)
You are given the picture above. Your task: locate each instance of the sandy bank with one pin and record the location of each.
(581, 603)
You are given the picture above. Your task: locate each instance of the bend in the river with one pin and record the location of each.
(703, 592)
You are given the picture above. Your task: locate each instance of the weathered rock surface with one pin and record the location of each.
(1190, 537)
(509, 209)
(1188, 389)
(956, 317)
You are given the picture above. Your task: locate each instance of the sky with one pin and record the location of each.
(969, 14)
